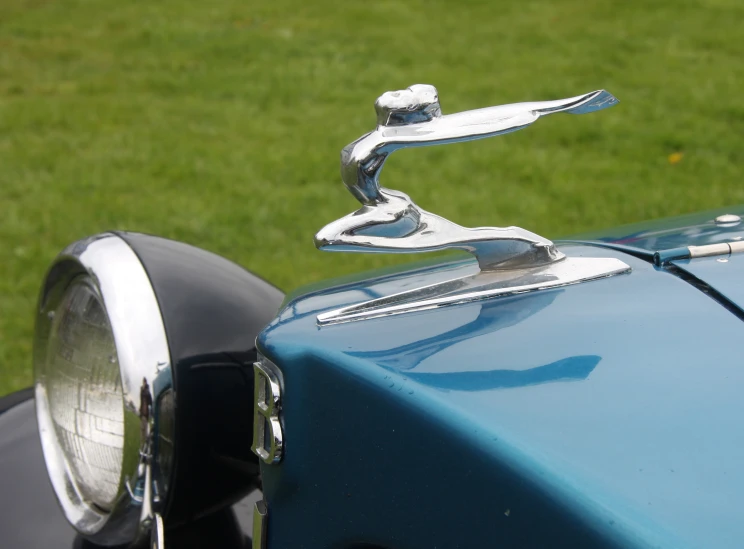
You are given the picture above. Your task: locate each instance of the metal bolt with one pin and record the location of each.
(728, 219)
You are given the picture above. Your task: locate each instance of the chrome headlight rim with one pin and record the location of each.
(121, 283)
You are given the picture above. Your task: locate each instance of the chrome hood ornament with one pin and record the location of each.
(390, 222)
(511, 260)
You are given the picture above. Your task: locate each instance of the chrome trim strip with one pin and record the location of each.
(157, 534)
(260, 516)
(142, 349)
(724, 248)
(484, 285)
(663, 257)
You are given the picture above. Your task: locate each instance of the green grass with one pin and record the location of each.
(219, 123)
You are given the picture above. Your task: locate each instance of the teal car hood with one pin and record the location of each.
(698, 229)
(608, 411)
(719, 276)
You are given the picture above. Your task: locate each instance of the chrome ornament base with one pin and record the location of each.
(484, 285)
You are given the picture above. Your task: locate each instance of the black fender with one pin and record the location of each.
(31, 517)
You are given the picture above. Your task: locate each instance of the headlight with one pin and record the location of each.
(143, 363)
(101, 368)
(84, 394)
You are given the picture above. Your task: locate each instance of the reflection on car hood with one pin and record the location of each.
(719, 276)
(698, 229)
(619, 398)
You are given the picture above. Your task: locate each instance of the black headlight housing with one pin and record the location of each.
(187, 429)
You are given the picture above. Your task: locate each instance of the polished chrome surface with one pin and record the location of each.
(157, 534)
(260, 516)
(663, 257)
(728, 219)
(725, 248)
(268, 437)
(123, 287)
(389, 221)
(571, 270)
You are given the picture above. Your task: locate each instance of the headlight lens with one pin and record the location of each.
(85, 394)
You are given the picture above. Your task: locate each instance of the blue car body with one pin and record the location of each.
(602, 414)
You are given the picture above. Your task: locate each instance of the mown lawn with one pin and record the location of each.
(219, 123)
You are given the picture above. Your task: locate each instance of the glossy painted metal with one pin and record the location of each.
(212, 310)
(31, 517)
(669, 242)
(389, 221)
(604, 414)
(698, 229)
(725, 274)
(125, 292)
(478, 286)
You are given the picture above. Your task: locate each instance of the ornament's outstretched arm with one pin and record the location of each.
(363, 160)
(488, 122)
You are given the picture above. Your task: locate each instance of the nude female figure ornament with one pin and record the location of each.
(390, 222)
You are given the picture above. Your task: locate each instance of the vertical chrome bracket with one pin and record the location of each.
(268, 436)
(157, 534)
(260, 517)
